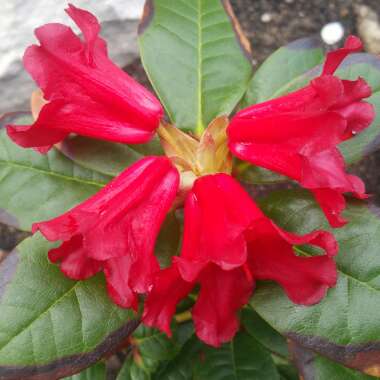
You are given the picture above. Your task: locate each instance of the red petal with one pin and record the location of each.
(335, 58)
(117, 272)
(321, 239)
(217, 213)
(221, 295)
(304, 279)
(160, 305)
(333, 204)
(327, 170)
(74, 261)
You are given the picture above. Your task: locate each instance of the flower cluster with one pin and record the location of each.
(228, 243)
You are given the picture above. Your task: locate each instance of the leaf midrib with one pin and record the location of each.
(51, 173)
(199, 127)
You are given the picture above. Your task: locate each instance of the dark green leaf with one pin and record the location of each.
(196, 58)
(51, 326)
(154, 347)
(168, 240)
(264, 333)
(35, 187)
(281, 69)
(131, 371)
(104, 156)
(96, 372)
(154, 344)
(287, 372)
(256, 175)
(316, 367)
(327, 369)
(241, 359)
(182, 366)
(336, 327)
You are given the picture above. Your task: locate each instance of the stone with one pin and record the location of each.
(368, 25)
(18, 19)
(332, 32)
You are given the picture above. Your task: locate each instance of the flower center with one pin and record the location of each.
(196, 157)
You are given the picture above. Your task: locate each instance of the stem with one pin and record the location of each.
(183, 317)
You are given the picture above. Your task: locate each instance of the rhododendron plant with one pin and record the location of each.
(148, 234)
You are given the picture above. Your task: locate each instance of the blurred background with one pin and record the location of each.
(268, 24)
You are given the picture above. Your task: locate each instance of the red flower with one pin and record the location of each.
(115, 230)
(87, 94)
(297, 134)
(228, 243)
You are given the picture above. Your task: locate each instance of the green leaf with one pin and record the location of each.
(327, 369)
(282, 69)
(256, 175)
(96, 372)
(264, 333)
(181, 367)
(287, 372)
(131, 371)
(154, 347)
(316, 367)
(35, 187)
(336, 327)
(241, 359)
(196, 58)
(154, 344)
(54, 326)
(168, 240)
(106, 157)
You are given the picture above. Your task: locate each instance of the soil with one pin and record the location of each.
(270, 24)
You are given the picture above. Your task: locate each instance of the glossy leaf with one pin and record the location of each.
(131, 371)
(336, 327)
(327, 369)
(283, 68)
(153, 346)
(96, 372)
(153, 351)
(315, 367)
(181, 367)
(168, 240)
(104, 156)
(288, 372)
(241, 359)
(256, 175)
(264, 333)
(196, 58)
(50, 326)
(36, 187)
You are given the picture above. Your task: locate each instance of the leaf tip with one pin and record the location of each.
(146, 17)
